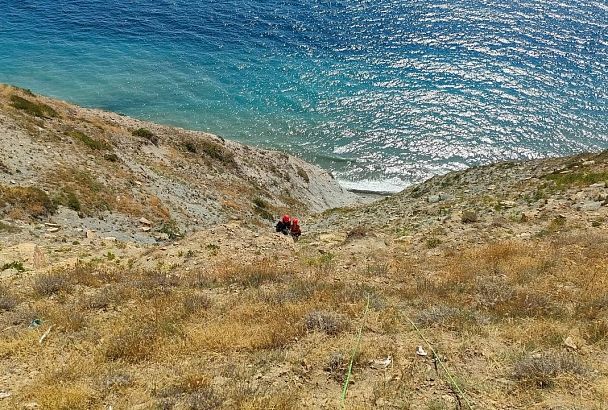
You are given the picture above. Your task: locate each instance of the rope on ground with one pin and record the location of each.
(354, 354)
(443, 366)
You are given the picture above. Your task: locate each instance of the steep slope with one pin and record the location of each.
(103, 171)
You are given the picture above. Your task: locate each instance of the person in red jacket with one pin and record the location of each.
(296, 231)
(284, 225)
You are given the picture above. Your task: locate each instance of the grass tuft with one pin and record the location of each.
(33, 108)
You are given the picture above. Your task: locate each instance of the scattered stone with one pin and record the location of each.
(4, 394)
(588, 163)
(569, 342)
(162, 237)
(110, 239)
(508, 204)
(420, 351)
(145, 221)
(52, 230)
(381, 364)
(90, 234)
(589, 206)
(433, 199)
(146, 228)
(51, 225)
(598, 185)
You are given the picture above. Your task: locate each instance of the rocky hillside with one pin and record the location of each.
(92, 170)
(480, 289)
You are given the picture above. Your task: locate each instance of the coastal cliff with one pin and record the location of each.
(140, 270)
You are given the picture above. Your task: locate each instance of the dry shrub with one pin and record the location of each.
(542, 369)
(357, 232)
(193, 391)
(8, 301)
(27, 201)
(65, 397)
(50, 283)
(328, 322)
(195, 302)
(115, 381)
(252, 275)
(66, 318)
(109, 295)
(596, 331)
(447, 316)
(132, 343)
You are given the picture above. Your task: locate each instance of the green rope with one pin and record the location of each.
(352, 359)
(445, 369)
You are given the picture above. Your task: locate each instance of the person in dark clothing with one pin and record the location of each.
(284, 225)
(295, 231)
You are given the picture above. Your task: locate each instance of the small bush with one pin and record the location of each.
(327, 322)
(261, 207)
(146, 134)
(32, 108)
(542, 369)
(171, 229)
(17, 265)
(469, 217)
(111, 157)
(190, 147)
(68, 199)
(51, 283)
(358, 232)
(216, 151)
(7, 300)
(302, 174)
(133, 343)
(194, 303)
(88, 141)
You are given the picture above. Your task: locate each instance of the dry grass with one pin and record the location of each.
(270, 332)
(28, 202)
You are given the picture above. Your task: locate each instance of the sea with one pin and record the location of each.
(381, 93)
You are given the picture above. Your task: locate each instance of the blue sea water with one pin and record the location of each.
(382, 93)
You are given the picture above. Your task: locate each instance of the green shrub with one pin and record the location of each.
(170, 228)
(146, 134)
(18, 266)
(32, 108)
(68, 199)
(88, 141)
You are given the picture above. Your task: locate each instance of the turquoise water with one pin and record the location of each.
(382, 93)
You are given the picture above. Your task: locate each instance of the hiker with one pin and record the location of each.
(284, 225)
(295, 229)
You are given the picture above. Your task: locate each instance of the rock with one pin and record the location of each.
(569, 342)
(588, 163)
(146, 228)
(110, 239)
(4, 395)
(433, 199)
(90, 234)
(52, 225)
(52, 230)
(162, 237)
(420, 351)
(508, 204)
(589, 206)
(145, 221)
(381, 364)
(598, 185)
